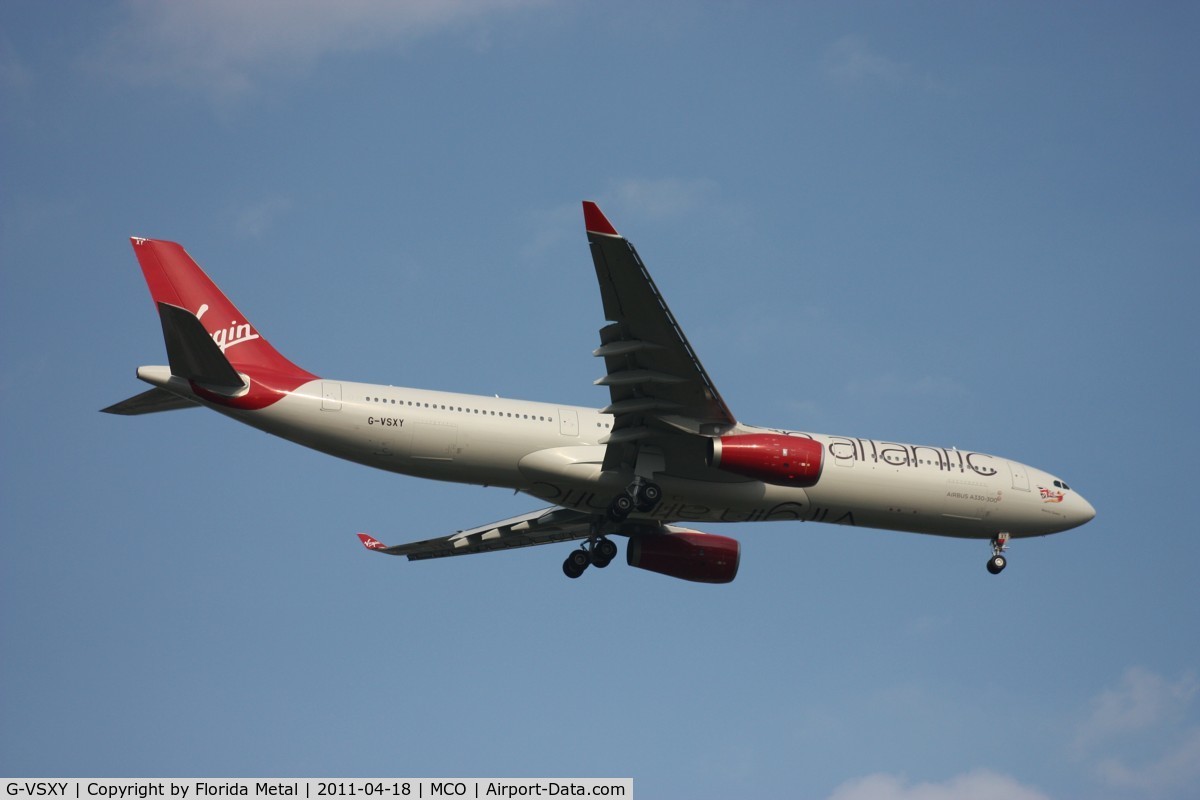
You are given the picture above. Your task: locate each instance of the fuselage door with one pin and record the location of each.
(331, 396)
(435, 441)
(568, 422)
(844, 453)
(1020, 476)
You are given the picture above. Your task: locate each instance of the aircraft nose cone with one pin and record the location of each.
(1082, 511)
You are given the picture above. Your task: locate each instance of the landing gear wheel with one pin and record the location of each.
(998, 562)
(576, 563)
(649, 495)
(620, 508)
(604, 550)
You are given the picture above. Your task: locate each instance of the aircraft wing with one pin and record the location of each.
(660, 392)
(544, 526)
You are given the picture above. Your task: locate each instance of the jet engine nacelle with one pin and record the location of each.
(690, 555)
(769, 457)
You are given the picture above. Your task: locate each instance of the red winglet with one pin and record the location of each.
(370, 542)
(595, 221)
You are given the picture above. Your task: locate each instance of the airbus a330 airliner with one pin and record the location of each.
(664, 453)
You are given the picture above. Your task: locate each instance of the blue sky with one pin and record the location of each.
(956, 224)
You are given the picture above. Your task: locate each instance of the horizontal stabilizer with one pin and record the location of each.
(193, 353)
(150, 402)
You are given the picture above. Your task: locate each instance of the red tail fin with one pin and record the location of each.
(174, 278)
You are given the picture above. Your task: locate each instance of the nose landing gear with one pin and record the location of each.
(998, 562)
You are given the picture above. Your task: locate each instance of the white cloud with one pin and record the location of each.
(1177, 768)
(14, 75)
(1140, 736)
(253, 221)
(664, 197)
(850, 61)
(976, 785)
(1143, 700)
(225, 47)
(554, 228)
(625, 200)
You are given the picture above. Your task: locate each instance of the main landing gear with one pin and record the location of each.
(998, 562)
(642, 496)
(598, 552)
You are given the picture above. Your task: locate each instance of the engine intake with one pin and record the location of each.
(689, 555)
(769, 457)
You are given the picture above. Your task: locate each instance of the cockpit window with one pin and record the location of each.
(1062, 485)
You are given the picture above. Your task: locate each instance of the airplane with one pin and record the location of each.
(665, 453)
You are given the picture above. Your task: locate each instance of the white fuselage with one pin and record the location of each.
(555, 452)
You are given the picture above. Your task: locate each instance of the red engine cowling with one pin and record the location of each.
(690, 555)
(769, 457)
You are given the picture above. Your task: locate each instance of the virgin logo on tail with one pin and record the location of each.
(236, 333)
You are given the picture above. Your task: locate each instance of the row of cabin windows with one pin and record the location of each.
(460, 409)
(944, 465)
(435, 406)
(886, 460)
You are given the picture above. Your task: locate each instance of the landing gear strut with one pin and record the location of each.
(998, 562)
(597, 552)
(642, 495)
